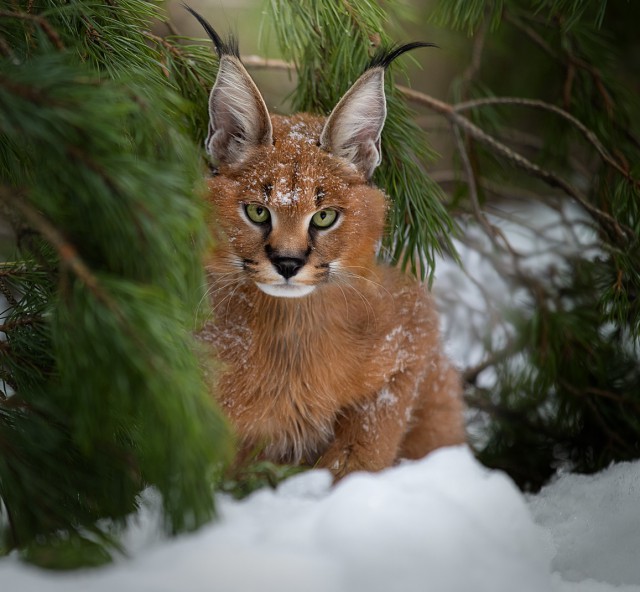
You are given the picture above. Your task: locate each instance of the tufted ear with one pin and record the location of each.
(354, 127)
(238, 117)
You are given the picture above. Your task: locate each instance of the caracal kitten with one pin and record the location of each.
(325, 356)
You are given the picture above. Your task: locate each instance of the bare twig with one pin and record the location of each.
(610, 224)
(531, 33)
(7, 293)
(477, 50)
(9, 326)
(537, 104)
(6, 50)
(470, 375)
(172, 28)
(162, 41)
(260, 63)
(491, 230)
(571, 60)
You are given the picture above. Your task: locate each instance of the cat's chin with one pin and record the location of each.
(286, 290)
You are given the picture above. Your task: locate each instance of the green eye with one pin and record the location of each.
(324, 218)
(257, 214)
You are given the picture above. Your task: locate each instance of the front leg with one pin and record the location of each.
(367, 436)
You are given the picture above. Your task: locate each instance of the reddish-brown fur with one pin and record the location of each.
(351, 376)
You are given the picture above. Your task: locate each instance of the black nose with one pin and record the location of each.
(287, 266)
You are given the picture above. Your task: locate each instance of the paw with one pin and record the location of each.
(344, 460)
(337, 460)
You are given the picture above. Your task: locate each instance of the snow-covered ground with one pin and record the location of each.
(441, 524)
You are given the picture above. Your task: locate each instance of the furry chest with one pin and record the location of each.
(286, 387)
(279, 405)
(308, 372)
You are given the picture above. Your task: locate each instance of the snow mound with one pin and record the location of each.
(444, 523)
(594, 524)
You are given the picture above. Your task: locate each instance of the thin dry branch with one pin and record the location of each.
(572, 62)
(5, 290)
(537, 104)
(622, 233)
(10, 325)
(261, 63)
(6, 50)
(470, 375)
(491, 230)
(477, 51)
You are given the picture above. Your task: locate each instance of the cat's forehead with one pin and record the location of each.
(295, 171)
(299, 130)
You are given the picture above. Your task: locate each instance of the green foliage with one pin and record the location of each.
(331, 44)
(467, 15)
(68, 552)
(568, 388)
(572, 12)
(101, 392)
(256, 475)
(572, 394)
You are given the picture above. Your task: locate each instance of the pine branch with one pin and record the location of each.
(41, 21)
(470, 375)
(330, 47)
(106, 393)
(571, 61)
(68, 255)
(473, 189)
(262, 63)
(6, 327)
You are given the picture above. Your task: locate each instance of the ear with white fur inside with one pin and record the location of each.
(238, 117)
(354, 127)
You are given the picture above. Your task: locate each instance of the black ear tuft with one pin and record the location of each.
(229, 48)
(238, 117)
(385, 55)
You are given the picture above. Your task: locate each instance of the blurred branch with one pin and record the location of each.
(9, 326)
(5, 290)
(42, 22)
(67, 252)
(472, 184)
(477, 50)
(260, 63)
(572, 62)
(470, 375)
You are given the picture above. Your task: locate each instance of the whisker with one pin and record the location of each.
(236, 283)
(361, 277)
(222, 283)
(230, 297)
(342, 280)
